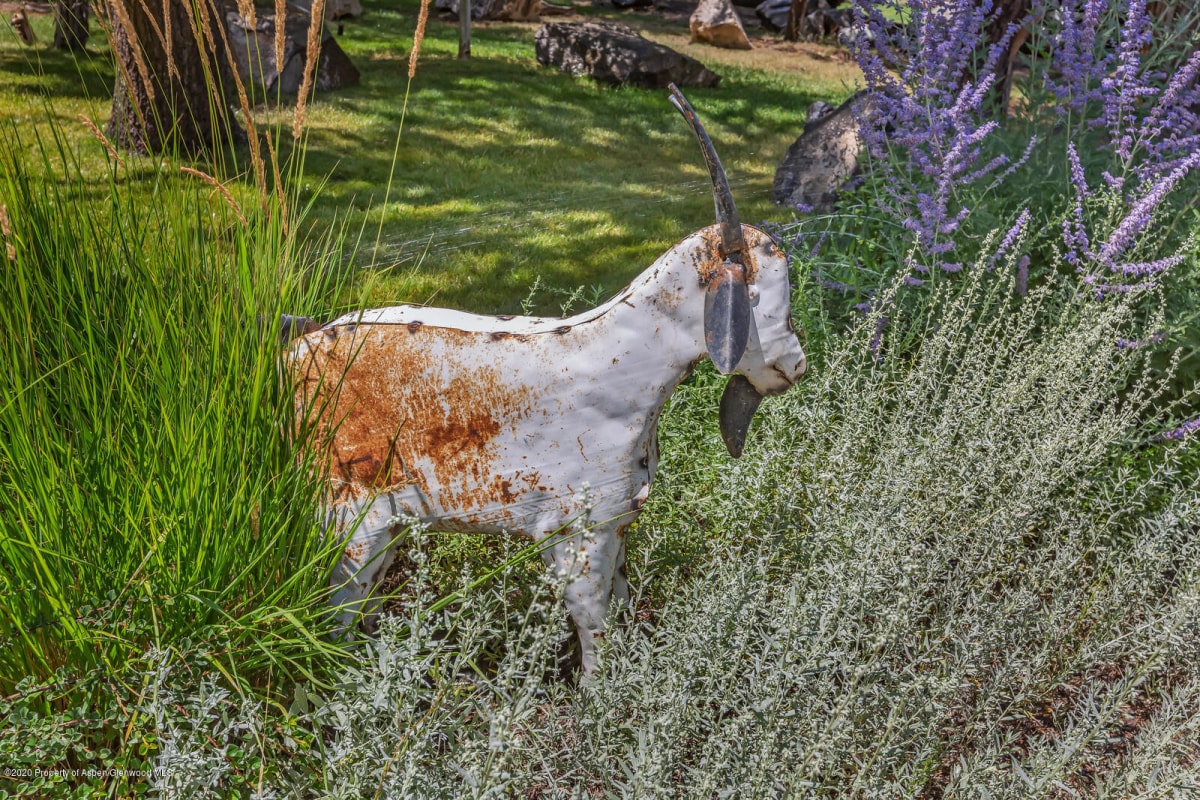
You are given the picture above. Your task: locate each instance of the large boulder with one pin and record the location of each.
(774, 13)
(254, 55)
(715, 22)
(823, 158)
(340, 9)
(480, 9)
(334, 9)
(616, 54)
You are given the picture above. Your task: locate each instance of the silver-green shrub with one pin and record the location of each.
(953, 565)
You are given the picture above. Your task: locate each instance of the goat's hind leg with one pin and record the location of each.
(366, 556)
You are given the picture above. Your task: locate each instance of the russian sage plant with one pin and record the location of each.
(936, 133)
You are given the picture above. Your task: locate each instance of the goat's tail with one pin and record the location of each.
(290, 326)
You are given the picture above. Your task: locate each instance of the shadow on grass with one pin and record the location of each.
(507, 172)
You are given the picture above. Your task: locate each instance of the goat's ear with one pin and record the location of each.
(727, 316)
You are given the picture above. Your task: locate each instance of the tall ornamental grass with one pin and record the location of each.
(155, 490)
(960, 559)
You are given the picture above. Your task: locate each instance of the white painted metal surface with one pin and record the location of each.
(473, 423)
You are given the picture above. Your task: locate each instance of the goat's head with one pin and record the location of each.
(747, 306)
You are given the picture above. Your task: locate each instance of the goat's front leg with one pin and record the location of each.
(366, 556)
(620, 590)
(589, 563)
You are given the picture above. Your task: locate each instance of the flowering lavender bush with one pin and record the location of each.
(934, 121)
(1088, 166)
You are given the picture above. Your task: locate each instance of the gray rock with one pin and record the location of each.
(818, 111)
(254, 55)
(774, 13)
(827, 22)
(616, 54)
(825, 156)
(480, 9)
(334, 9)
(340, 9)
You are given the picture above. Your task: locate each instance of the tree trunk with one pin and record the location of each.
(70, 24)
(1005, 13)
(464, 28)
(796, 14)
(172, 78)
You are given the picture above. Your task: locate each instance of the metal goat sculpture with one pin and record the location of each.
(536, 426)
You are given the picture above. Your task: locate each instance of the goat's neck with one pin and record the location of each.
(652, 333)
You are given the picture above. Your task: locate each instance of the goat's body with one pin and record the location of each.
(473, 423)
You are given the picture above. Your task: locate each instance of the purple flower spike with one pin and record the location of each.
(1186, 429)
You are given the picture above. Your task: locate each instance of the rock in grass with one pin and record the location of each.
(253, 49)
(617, 54)
(715, 22)
(334, 9)
(340, 9)
(774, 13)
(480, 9)
(822, 159)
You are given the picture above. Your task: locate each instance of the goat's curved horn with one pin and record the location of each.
(732, 241)
(727, 313)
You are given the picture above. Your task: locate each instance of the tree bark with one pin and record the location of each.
(173, 77)
(796, 14)
(70, 24)
(464, 28)
(1005, 13)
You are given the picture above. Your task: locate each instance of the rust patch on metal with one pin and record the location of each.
(561, 329)
(415, 326)
(708, 261)
(356, 552)
(500, 336)
(403, 413)
(669, 299)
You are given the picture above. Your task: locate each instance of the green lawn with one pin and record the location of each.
(507, 172)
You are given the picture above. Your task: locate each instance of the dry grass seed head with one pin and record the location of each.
(280, 20)
(315, 24)
(220, 187)
(418, 37)
(312, 50)
(99, 136)
(246, 9)
(6, 231)
(122, 16)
